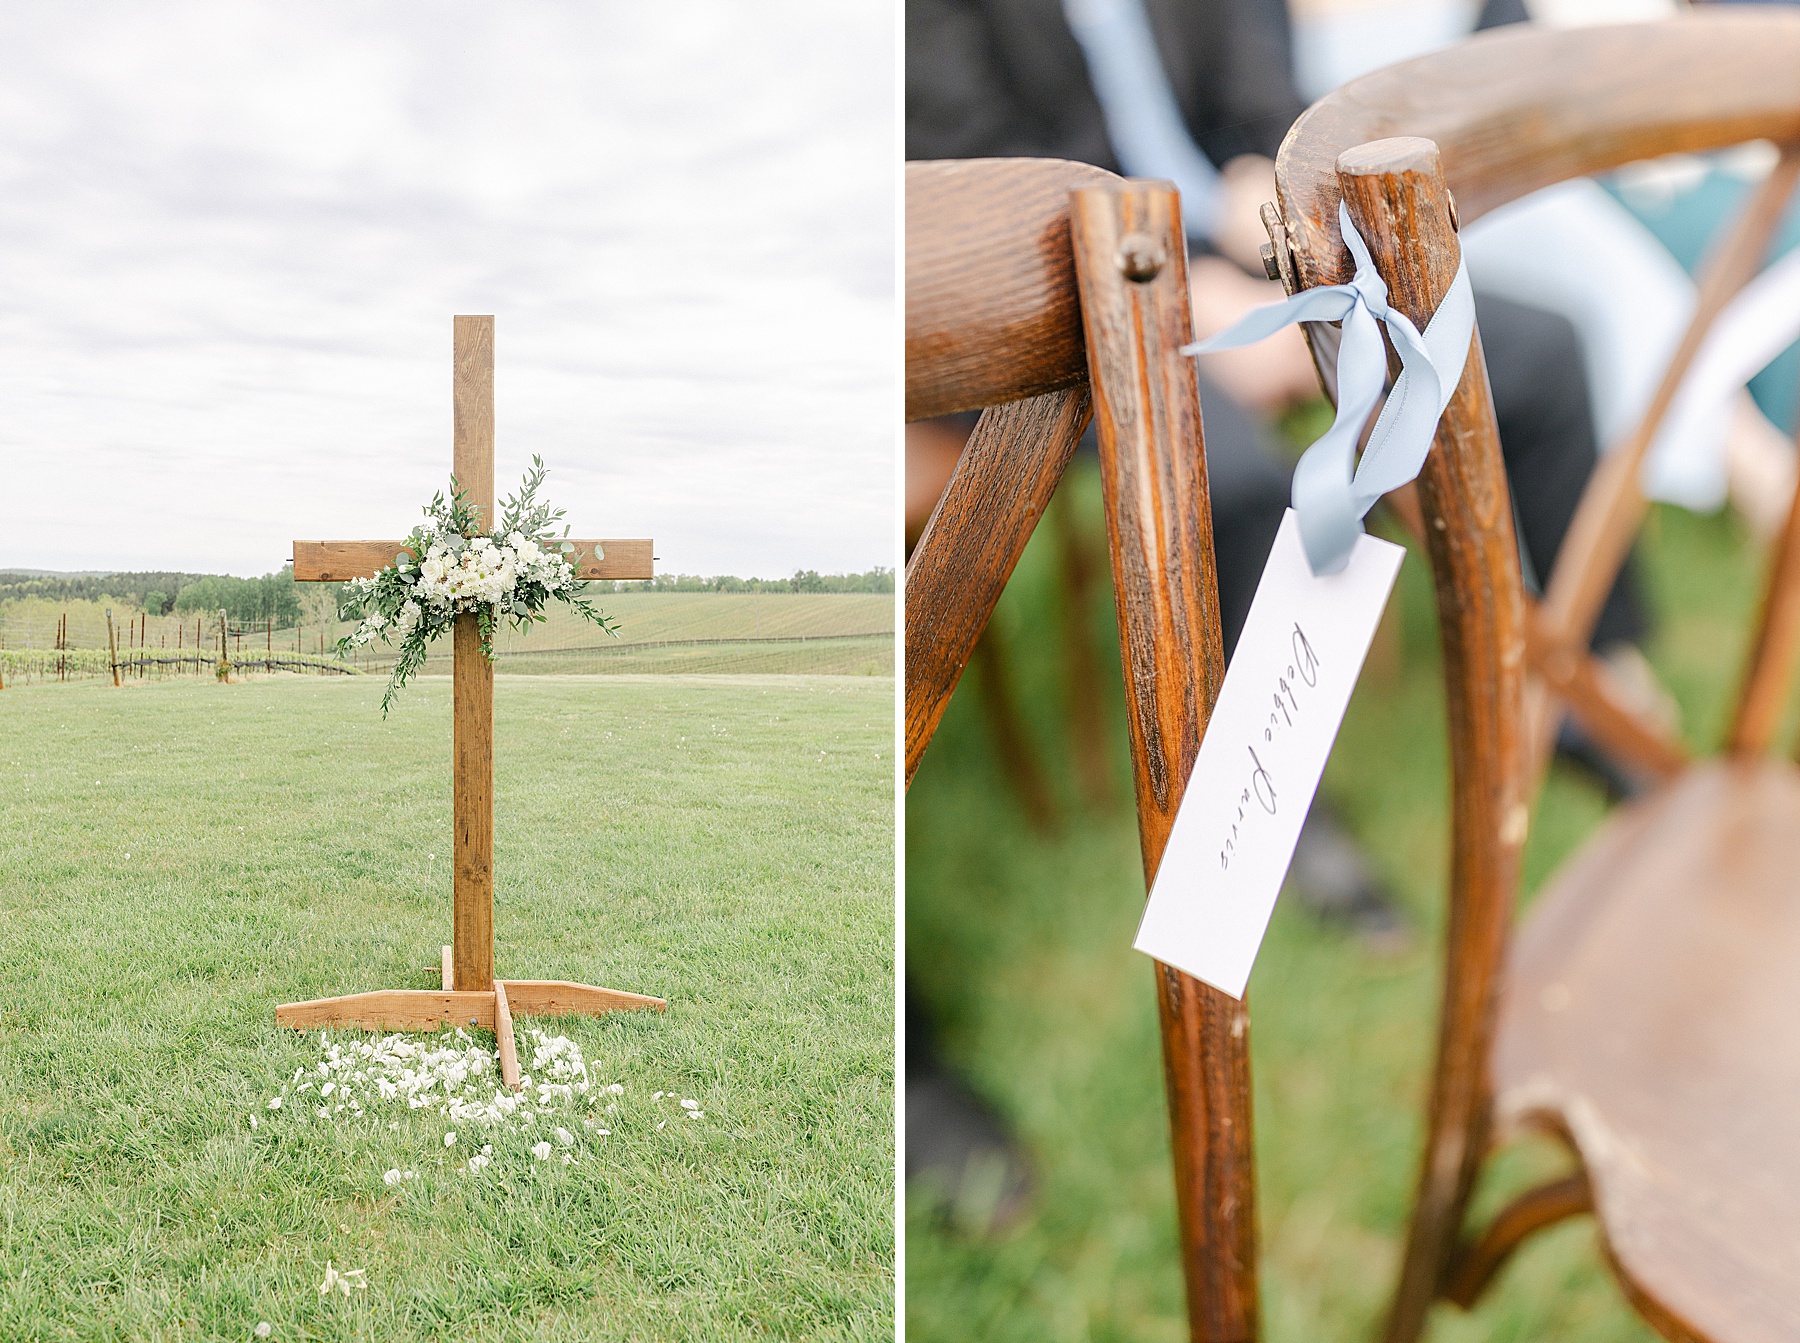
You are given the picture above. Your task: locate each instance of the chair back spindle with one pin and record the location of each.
(1044, 292)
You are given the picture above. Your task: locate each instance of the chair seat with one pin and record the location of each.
(1669, 948)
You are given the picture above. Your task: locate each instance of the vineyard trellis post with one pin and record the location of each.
(470, 993)
(112, 648)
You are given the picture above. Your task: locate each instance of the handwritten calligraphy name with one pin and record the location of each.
(1259, 790)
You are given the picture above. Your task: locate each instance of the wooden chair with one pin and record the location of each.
(1035, 290)
(1646, 1012)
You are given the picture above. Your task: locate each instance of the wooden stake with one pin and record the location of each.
(504, 1044)
(112, 648)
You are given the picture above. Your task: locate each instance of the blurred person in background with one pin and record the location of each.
(1199, 92)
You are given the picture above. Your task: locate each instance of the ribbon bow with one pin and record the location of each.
(1332, 491)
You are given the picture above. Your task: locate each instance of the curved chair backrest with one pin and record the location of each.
(992, 312)
(1415, 151)
(1520, 108)
(1034, 289)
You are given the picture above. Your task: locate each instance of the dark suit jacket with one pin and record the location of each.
(1006, 77)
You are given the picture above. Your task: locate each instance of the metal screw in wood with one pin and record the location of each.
(1141, 257)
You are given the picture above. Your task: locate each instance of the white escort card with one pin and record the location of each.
(1264, 752)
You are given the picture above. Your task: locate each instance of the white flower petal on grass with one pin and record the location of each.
(566, 1138)
(274, 1102)
(254, 1121)
(391, 1178)
(690, 1105)
(541, 1151)
(263, 1329)
(450, 1139)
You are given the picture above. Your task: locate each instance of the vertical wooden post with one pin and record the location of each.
(1396, 195)
(1131, 263)
(112, 648)
(472, 883)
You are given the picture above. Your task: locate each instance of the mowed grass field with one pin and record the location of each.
(1020, 944)
(177, 858)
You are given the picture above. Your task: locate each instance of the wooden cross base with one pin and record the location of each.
(485, 1009)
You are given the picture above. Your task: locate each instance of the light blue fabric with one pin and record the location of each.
(1332, 490)
(1143, 120)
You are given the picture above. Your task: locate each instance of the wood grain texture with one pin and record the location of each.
(1159, 531)
(449, 969)
(506, 1049)
(991, 308)
(472, 809)
(1519, 108)
(1001, 486)
(428, 1009)
(472, 418)
(560, 998)
(472, 695)
(391, 1010)
(340, 561)
(1398, 201)
(1648, 1021)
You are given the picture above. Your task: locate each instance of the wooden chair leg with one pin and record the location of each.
(1397, 198)
(1131, 264)
(1006, 728)
(1001, 485)
(1081, 664)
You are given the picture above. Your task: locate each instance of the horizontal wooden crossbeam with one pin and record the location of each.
(338, 561)
(427, 1009)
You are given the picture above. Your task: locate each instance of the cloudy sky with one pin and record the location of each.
(233, 234)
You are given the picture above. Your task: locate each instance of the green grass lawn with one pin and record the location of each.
(1020, 943)
(177, 858)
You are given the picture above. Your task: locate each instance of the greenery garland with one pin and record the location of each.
(451, 568)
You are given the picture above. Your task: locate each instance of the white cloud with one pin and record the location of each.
(232, 236)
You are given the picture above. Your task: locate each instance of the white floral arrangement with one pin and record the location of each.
(451, 568)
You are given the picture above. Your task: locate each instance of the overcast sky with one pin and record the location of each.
(233, 234)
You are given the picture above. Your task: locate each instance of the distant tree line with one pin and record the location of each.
(249, 601)
(878, 579)
(245, 600)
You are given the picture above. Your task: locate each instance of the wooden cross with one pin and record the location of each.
(470, 994)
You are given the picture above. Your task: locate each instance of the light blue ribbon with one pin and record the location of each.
(1143, 118)
(1332, 491)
